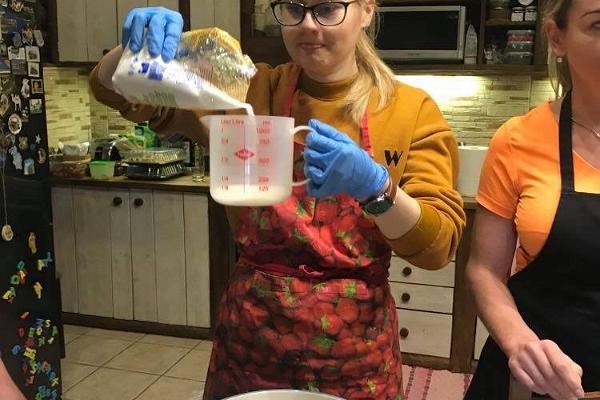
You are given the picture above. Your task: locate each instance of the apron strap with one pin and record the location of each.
(565, 136)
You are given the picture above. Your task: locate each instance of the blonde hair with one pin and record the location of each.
(560, 74)
(372, 73)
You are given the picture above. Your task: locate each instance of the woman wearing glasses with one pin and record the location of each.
(309, 306)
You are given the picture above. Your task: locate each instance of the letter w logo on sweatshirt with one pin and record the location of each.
(392, 158)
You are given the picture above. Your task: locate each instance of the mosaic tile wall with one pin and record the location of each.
(475, 106)
(67, 105)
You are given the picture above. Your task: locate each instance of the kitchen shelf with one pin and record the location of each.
(462, 69)
(508, 23)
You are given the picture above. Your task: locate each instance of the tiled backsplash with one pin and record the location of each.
(475, 106)
(73, 114)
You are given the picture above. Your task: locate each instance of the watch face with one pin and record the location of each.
(378, 206)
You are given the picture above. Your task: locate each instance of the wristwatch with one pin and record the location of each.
(378, 204)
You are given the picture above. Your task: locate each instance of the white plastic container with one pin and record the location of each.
(471, 46)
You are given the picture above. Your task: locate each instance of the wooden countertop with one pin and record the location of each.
(180, 184)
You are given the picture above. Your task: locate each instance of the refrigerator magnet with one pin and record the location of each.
(38, 139)
(18, 67)
(17, 40)
(16, 5)
(16, 99)
(15, 124)
(16, 53)
(25, 88)
(32, 53)
(33, 69)
(3, 50)
(28, 167)
(37, 86)
(7, 233)
(23, 143)
(35, 106)
(4, 3)
(39, 37)
(37, 287)
(32, 243)
(4, 105)
(32, 147)
(41, 156)
(17, 158)
(27, 34)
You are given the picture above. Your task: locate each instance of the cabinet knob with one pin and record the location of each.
(407, 271)
(117, 201)
(405, 297)
(138, 202)
(404, 333)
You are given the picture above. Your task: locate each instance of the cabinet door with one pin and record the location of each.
(123, 8)
(64, 245)
(202, 14)
(101, 27)
(170, 4)
(120, 244)
(93, 250)
(143, 258)
(227, 17)
(72, 30)
(197, 262)
(169, 244)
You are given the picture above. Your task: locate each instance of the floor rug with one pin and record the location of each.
(428, 384)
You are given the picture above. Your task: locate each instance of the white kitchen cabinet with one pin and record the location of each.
(133, 254)
(87, 28)
(195, 209)
(72, 32)
(124, 6)
(92, 215)
(101, 27)
(224, 14)
(169, 244)
(143, 256)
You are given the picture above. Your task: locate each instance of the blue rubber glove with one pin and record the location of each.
(164, 31)
(335, 164)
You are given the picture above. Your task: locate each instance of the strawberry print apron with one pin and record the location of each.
(308, 306)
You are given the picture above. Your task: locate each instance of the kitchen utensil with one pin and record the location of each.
(251, 158)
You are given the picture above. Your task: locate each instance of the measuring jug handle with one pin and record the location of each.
(295, 131)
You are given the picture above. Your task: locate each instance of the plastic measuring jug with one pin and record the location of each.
(251, 158)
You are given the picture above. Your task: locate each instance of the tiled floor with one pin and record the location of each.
(103, 364)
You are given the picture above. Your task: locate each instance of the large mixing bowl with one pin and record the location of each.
(283, 395)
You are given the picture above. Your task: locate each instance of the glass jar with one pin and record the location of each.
(518, 14)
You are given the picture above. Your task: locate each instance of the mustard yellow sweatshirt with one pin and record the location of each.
(410, 137)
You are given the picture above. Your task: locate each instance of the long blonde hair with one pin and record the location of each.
(372, 73)
(560, 74)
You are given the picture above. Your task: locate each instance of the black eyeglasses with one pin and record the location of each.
(290, 13)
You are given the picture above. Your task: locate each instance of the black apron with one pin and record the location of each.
(558, 294)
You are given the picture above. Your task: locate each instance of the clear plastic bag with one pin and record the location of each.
(209, 73)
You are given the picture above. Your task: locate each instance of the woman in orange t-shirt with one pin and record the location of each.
(540, 184)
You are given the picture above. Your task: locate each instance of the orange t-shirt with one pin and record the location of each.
(520, 178)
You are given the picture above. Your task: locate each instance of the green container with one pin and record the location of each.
(102, 169)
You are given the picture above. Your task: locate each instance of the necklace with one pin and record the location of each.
(594, 131)
(6, 232)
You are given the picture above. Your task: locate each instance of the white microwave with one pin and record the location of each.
(421, 33)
